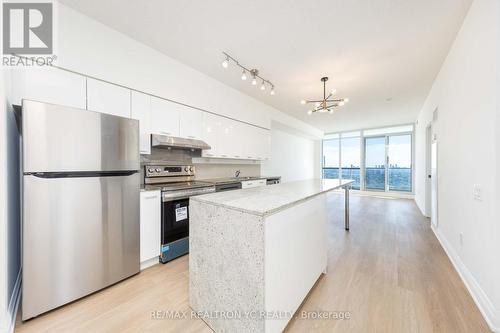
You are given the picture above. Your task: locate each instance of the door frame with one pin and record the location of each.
(434, 182)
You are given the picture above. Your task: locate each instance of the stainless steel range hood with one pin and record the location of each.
(166, 141)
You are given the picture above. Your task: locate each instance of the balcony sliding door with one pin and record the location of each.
(399, 167)
(375, 168)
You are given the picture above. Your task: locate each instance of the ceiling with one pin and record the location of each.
(381, 54)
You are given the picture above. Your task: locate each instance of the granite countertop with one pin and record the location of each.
(234, 179)
(267, 200)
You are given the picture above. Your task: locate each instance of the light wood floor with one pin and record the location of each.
(389, 272)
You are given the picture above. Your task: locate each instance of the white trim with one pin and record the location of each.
(478, 295)
(14, 304)
(149, 263)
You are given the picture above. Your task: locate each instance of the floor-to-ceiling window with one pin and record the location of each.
(331, 157)
(350, 157)
(377, 159)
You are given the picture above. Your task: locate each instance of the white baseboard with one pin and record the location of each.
(148, 263)
(14, 304)
(478, 295)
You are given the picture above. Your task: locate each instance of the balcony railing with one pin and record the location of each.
(400, 179)
(344, 173)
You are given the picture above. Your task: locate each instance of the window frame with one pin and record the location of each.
(362, 136)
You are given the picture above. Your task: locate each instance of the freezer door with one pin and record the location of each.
(58, 138)
(80, 234)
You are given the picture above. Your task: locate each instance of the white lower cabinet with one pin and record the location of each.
(253, 183)
(150, 227)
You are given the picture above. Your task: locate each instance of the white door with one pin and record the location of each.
(49, 85)
(150, 222)
(434, 184)
(190, 123)
(165, 117)
(108, 98)
(141, 110)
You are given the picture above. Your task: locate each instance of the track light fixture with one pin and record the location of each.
(253, 72)
(326, 104)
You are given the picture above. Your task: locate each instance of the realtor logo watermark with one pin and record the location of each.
(28, 33)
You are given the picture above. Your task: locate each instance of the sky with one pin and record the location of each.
(399, 151)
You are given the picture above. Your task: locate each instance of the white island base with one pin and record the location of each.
(256, 253)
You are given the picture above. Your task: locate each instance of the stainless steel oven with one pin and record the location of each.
(177, 186)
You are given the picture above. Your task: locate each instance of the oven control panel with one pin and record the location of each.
(168, 170)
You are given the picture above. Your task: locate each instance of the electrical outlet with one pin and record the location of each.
(477, 192)
(461, 236)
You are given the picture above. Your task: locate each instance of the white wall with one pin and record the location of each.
(10, 222)
(466, 95)
(294, 156)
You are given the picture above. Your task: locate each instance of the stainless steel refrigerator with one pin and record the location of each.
(81, 186)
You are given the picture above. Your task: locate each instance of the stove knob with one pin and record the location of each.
(186, 169)
(191, 169)
(150, 170)
(158, 170)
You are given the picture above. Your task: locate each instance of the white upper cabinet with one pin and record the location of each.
(211, 126)
(141, 110)
(227, 146)
(108, 98)
(190, 123)
(49, 85)
(264, 144)
(165, 117)
(233, 139)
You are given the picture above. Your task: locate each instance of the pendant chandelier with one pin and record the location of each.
(327, 104)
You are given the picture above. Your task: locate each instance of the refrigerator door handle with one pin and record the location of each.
(82, 174)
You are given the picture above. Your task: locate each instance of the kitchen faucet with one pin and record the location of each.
(237, 173)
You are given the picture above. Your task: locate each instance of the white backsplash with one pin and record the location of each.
(208, 171)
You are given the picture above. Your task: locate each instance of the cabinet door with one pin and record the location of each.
(211, 126)
(49, 85)
(108, 98)
(164, 117)
(190, 123)
(150, 224)
(263, 151)
(227, 145)
(141, 110)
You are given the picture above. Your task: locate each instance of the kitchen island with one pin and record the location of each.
(256, 253)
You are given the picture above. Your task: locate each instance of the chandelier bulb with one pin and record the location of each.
(272, 91)
(263, 86)
(254, 81)
(341, 104)
(346, 100)
(303, 102)
(225, 63)
(244, 75)
(309, 112)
